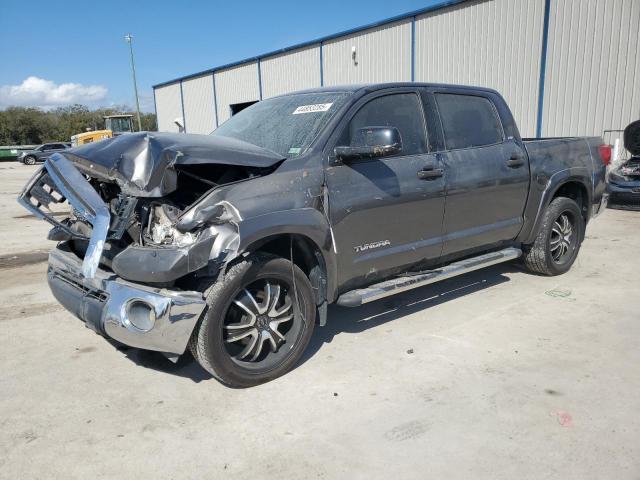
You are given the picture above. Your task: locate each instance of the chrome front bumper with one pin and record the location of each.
(104, 303)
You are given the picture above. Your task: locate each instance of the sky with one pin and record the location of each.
(56, 53)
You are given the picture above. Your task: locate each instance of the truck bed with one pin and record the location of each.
(562, 158)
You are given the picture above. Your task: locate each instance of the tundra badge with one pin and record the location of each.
(371, 246)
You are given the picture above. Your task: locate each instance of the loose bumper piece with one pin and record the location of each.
(59, 180)
(154, 265)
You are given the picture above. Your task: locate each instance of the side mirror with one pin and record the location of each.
(371, 142)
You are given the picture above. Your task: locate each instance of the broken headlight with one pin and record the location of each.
(161, 227)
(167, 235)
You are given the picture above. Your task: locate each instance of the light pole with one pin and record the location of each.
(129, 39)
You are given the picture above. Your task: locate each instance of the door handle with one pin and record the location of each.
(516, 160)
(429, 174)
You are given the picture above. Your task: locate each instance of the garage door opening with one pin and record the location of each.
(238, 107)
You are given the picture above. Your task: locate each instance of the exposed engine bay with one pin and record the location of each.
(152, 221)
(154, 182)
(630, 168)
(624, 177)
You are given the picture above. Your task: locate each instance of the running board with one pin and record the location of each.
(355, 298)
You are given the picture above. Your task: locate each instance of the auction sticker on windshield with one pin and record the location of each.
(318, 107)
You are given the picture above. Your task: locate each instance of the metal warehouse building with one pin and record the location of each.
(566, 67)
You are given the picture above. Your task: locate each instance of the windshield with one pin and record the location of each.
(286, 125)
(119, 124)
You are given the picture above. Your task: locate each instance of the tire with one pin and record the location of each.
(246, 362)
(545, 256)
(29, 160)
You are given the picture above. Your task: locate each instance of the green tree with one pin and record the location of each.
(24, 126)
(30, 126)
(148, 121)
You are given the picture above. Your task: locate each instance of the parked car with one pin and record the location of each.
(232, 244)
(624, 179)
(41, 152)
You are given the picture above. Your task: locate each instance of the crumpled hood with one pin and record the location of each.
(629, 171)
(143, 163)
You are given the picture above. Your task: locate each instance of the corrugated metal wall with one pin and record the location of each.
(495, 44)
(383, 54)
(168, 106)
(197, 94)
(290, 71)
(236, 85)
(592, 80)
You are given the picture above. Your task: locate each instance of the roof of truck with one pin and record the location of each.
(379, 86)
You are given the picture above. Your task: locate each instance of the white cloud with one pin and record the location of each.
(38, 92)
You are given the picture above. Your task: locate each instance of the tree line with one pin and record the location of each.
(33, 126)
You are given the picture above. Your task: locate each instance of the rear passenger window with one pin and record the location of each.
(400, 110)
(468, 121)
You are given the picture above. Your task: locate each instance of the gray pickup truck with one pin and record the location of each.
(231, 245)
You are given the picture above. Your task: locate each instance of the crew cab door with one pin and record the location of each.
(487, 174)
(386, 212)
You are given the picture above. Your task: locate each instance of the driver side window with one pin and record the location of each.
(400, 110)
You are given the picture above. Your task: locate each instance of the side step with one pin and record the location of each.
(355, 298)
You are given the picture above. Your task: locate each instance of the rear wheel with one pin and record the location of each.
(558, 241)
(258, 322)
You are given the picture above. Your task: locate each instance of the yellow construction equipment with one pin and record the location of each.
(113, 125)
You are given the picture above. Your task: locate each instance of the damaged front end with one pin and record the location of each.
(624, 185)
(130, 253)
(624, 179)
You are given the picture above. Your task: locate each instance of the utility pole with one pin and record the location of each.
(129, 39)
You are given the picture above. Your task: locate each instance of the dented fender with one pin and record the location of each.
(306, 222)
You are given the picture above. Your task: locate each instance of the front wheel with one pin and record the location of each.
(29, 160)
(259, 320)
(558, 241)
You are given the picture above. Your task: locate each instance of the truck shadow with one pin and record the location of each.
(186, 366)
(343, 320)
(349, 320)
